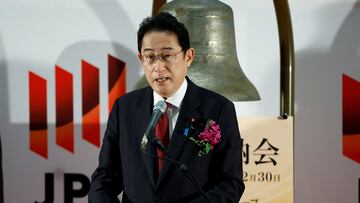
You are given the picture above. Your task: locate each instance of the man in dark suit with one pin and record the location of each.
(202, 130)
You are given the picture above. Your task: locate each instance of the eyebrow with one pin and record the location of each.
(165, 48)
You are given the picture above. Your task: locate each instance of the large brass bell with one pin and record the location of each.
(211, 28)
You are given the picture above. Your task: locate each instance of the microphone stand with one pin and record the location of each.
(181, 167)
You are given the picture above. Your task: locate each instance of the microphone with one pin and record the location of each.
(158, 110)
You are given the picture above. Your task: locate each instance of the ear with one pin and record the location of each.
(189, 56)
(139, 57)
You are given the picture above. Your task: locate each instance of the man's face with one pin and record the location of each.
(165, 65)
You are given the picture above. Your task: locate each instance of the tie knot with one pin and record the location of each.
(168, 105)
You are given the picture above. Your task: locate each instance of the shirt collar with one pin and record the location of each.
(176, 98)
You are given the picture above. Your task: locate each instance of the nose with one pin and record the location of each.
(158, 66)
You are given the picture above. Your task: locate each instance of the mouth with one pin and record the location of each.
(162, 79)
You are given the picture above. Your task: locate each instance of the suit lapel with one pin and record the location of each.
(178, 141)
(142, 117)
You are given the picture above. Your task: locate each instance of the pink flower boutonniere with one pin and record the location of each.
(206, 140)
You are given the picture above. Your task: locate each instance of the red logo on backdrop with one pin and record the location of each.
(351, 118)
(64, 104)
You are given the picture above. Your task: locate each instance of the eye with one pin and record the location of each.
(166, 56)
(149, 57)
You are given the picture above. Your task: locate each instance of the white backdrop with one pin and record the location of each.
(38, 34)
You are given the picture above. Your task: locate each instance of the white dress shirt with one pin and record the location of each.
(175, 100)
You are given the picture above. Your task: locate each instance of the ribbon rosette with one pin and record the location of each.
(206, 140)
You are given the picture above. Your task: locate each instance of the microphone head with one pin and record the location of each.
(161, 105)
(143, 143)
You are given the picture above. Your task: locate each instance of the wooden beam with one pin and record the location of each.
(157, 5)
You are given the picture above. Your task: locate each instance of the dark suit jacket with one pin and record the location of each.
(124, 167)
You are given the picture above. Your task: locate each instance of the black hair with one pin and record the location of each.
(164, 22)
